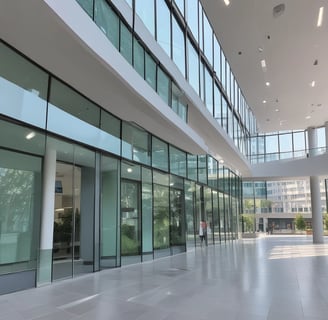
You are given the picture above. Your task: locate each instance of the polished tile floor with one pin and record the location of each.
(274, 277)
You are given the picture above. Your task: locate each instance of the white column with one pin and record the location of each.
(317, 224)
(47, 217)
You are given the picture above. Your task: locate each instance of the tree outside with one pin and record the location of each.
(325, 221)
(300, 222)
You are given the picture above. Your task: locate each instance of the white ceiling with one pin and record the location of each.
(291, 43)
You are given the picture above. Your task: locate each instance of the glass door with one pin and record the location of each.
(130, 222)
(74, 210)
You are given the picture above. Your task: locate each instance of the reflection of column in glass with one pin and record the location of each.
(47, 218)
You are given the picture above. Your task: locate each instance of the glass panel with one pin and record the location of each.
(223, 70)
(111, 133)
(217, 58)
(190, 208)
(21, 138)
(212, 172)
(192, 166)
(202, 169)
(178, 46)
(230, 122)
(179, 104)
(209, 91)
(139, 58)
(178, 162)
(200, 28)
(74, 210)
(135, 144)
(20, 203)
(217, 104)
(73, 103)
(177, 220)
(222, 216)
(108, 21)
(224, 114)
(192, 17)
(216, 221)
(150, 67)
(130, 222)
(87, 5)
(271, 144)
(163, 36)
(208, 40)
(161, 220)
(146, 11)
(299, 141)
(193, 67)
(160, 154)
(163, 86)
(208, 215)
(286, 145)
(23, 88)
(180, 5)
(126, 43)
(109, 212)
(147, 214)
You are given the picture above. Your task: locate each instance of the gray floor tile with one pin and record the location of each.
(269, 278)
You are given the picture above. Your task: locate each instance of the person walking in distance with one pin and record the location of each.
(202, 230)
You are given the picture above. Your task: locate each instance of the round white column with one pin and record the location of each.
(47, 217)
(317, 223)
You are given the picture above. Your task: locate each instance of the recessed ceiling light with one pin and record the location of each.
(129, 170)
(312, 83)
(221, 161)
(263, 64)
(267, 84)
(308, 117)
(30, 136)
(277, 110)
(260, 49)
(320, 17)
(226, 2)
(264, 101)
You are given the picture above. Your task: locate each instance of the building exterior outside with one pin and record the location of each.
(275, 203)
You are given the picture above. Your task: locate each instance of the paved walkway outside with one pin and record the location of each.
(275, 277)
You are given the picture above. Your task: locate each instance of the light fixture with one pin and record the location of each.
(320, 17)
(312, 83)
(264, 101)
(263, 64)
(308, 117)
(267, 83)
(221, 161)
(277, 110)
(226, 2)
(129, 170)
(30, 136)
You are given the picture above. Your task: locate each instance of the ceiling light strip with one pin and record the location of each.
(320, 17)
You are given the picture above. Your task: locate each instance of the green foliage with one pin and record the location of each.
(248, 220)
(299, 222)
(325, 220)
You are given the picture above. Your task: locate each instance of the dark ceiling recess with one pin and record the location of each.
(278, 10)
(315, 63)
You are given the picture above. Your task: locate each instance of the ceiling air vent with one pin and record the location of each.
(278, 10)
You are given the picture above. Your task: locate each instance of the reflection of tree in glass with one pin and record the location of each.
(16, 192)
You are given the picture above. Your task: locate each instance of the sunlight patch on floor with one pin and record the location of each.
(298, 251)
